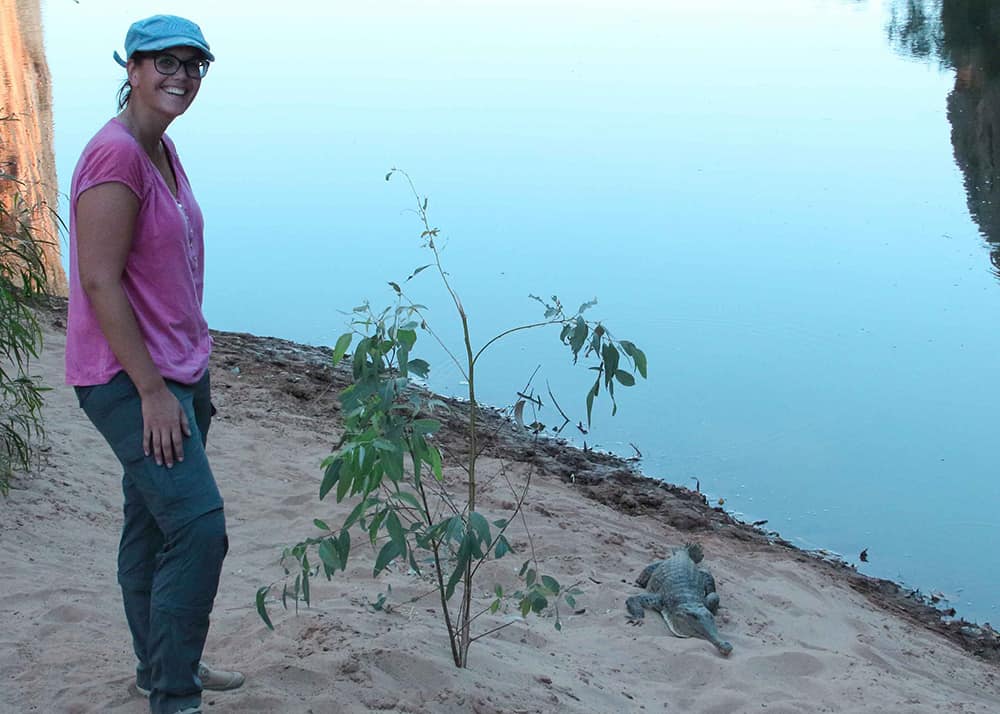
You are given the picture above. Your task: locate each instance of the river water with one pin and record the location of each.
(785, 203)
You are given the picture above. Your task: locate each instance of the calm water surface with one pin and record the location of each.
(771, 198)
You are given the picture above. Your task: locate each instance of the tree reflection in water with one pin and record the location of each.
(963, 35)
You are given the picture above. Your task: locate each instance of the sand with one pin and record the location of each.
(806, 636)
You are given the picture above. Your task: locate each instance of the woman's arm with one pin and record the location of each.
(105, 219)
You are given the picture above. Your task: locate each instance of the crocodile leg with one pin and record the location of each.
(712, 603)
(711, 596)
(636, 603)
(647, 571)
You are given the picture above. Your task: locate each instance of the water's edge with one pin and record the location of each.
(304, 372)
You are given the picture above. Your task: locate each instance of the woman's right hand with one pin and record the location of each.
(164, 426)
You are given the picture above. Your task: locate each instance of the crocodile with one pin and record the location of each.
(683, 594)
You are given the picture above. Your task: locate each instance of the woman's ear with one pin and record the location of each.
(132, 69)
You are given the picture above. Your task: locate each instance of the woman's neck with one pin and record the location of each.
(147, 129)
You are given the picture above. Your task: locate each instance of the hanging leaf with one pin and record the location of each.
(590, 398)
(409, 499)
(502, 548)
(481, 527)
(340, 349)
(425, 426)
(261, 608)
(578, 337)
(550, 584)
(396, 531)
(637, 355)
(625, 378)
(435, 461)
(609, 354)
(390, 551)
(419, 367)
(330, 478)
(329, 555)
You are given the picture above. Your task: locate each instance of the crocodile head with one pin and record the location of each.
(696, 621)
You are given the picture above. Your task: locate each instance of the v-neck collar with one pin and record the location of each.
(171, 164)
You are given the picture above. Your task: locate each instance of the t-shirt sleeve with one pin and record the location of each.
(113, 160)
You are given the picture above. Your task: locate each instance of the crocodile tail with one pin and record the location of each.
(695, 552)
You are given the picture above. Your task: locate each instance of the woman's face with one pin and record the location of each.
(168, 94)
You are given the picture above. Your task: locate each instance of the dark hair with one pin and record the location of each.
(125, 91)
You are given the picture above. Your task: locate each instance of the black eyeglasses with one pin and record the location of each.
(167, 64)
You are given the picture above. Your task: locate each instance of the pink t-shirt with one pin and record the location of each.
(164, 273)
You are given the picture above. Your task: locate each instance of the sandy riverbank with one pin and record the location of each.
(808, 636)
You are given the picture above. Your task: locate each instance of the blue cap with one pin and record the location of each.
(160, 32)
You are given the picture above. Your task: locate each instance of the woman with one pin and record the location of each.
(137, 349)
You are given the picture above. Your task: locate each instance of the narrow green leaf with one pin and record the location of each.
(610, 356)
(344, 546)
(530, 578)
(261, 608)
(330, 556)
(455, 529)
(383, 444)
(481, 527)
(419, 367)
(360, 357)
(409, 499)
(392, 463)
(502, 548)
(624, 378)
(321, 524)
(390, 551)
(464, 552)
(375, 524)
(435, 456)
(344, 480)
(419, 270)
(425, 426)
(330, 478)
(494, 606)
(340, 349)
(525, 607)
(406, 338)
(396, 531)
(590, 399)
(578, 337)
(637, 355)
(355, 514)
